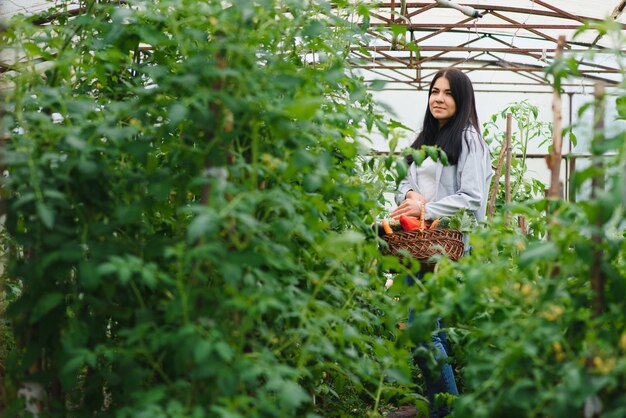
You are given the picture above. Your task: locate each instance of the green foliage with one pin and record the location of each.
(462, 221)
(419, 155)
(530, 129)
(6, 337)
(185, 181)
(620, 103)
(523, 328)
(188, 206)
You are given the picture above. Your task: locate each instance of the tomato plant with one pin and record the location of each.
(528, 131)
(186, 214)
(188, 205)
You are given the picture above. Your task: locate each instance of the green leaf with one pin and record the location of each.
(177, 113)
(538, 252)
(443, 158)
(290, 393)
(398, 375)
(401, 169)
(45, 214)
(149, 276)
(313, 28)
(433, 153)
(382, 127)
(398, 29)
(377, 85)
(604, 145)
(44, 305)
(418, 156)
(76, 142)
(393, 143)
(224, 351)
(413, 47)
(32, 48)
(620, 103)
(128, 214)
(202, 350)
(304, 108)
(22, 200)
(205, 224)
(80, 357)
(87, 167)
(312, 182)
(89, 276)
(462, 221)
(572, 137)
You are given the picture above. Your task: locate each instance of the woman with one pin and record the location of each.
(451, 123)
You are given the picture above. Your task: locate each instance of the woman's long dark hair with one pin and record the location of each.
(450, 135)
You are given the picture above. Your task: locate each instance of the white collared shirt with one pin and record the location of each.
(427, 179)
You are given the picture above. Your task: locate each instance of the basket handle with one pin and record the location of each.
(423, 212)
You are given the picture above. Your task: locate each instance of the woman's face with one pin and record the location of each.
(441, 103)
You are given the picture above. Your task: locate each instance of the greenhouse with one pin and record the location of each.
(288, 208)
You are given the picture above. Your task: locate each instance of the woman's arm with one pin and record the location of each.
(411, 206)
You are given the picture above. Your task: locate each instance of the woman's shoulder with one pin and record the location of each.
(471, 131)
(473, 140)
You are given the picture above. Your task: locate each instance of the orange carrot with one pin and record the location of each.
(434, 224)
(387, 227)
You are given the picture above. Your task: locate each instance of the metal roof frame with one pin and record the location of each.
(498, 41)
(519, 41)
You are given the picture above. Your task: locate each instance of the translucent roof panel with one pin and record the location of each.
(11, 7)
(510, 45)
(519, 38)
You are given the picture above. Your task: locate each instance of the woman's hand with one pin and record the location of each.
(412, 206)
(409, 207)
(414, 195)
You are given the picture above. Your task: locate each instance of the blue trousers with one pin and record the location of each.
(443, 382)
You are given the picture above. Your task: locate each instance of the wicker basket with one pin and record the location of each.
(423, 243)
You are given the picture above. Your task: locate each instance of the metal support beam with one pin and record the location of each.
(460, 48)
(423, 9)
(440, 54)
(497, 7)
(442, 30)
(513, 69)
(559, 11)
(531, 29)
